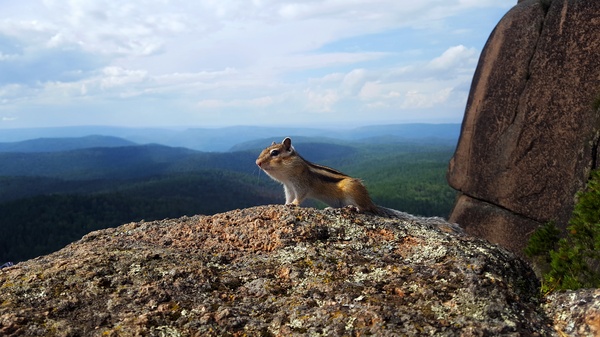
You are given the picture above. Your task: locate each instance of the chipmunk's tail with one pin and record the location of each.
(392, 213)
(437, 222)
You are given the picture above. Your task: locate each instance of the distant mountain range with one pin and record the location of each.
(63, 144)
(211, 139)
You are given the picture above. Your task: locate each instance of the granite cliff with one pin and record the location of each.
(530, 132)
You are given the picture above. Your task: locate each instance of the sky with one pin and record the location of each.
(239, 62)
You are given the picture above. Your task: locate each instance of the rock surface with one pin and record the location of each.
(530, 132)
(575, 313)
(274, 271)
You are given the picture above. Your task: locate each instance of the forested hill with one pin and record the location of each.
(120, 162)
(49, 199)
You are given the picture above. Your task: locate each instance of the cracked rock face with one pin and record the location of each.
(530, 131)
(274, 271)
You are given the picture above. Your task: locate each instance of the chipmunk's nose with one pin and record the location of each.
(258, 163)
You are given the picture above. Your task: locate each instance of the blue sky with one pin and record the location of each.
(252, 62)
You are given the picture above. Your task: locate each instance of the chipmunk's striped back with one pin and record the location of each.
(325, 173)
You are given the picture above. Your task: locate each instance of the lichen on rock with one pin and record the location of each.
(575, 313)
(273, 271)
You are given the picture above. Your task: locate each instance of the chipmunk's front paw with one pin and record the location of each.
(291, 205)
(352, 208)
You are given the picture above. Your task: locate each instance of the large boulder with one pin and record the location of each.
(530, 132)
(274, 271)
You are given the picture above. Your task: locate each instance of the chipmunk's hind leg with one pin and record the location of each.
(358, 196)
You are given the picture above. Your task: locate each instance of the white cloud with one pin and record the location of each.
(261, 101)
(212, 104)
(324, 60)
(419, 100)
(483, 3)
(320, 101)
(258, 102)
(371, 90)
(119, 77)
(6, 57)
(12, 92)
(353, 81)
(457, 56)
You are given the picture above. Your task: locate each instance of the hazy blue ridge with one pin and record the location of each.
(224, 139)
(64, 144)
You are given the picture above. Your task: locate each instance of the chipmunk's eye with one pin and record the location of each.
(274, 153)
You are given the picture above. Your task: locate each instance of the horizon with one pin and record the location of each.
(211, 127)
(211, 65)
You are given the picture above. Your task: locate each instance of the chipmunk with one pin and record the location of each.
(302, 179)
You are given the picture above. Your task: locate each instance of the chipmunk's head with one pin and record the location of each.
(275, 159)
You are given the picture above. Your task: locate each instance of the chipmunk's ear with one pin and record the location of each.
(287, 143)
(273, 143)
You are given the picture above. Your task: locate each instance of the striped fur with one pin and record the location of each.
(325, 173)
